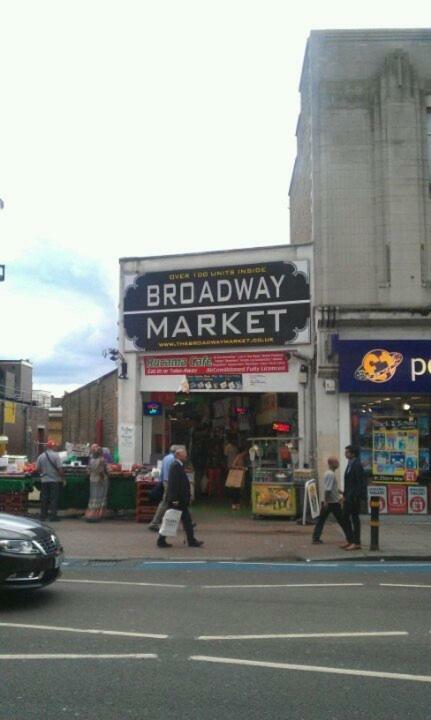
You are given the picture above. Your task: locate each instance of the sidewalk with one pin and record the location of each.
(228, 535)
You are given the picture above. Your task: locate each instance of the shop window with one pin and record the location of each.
(393, 436)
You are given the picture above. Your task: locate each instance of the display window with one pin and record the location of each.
(393, 435)
(211, 416)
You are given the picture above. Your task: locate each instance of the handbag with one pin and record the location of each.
(171, 520)
(235, 478)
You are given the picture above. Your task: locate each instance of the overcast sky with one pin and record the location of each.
(135, 128)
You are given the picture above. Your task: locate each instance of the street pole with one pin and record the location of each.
(374, 523)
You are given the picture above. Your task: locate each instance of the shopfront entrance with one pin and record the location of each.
(215, 427)
(391, 418)
(223, 341)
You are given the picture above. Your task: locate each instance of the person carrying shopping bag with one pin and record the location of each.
(178, 498)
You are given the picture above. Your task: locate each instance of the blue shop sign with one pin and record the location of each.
(383, 366)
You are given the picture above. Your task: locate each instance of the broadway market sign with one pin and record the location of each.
(235, 306)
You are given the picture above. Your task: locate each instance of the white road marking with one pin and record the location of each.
(270, 564)
(313, 668)
(90, 631)
(175, 562)
(403, 585)
(121, 582)
(70, 656)
(285, 585)
(385, 564)
(292, 636)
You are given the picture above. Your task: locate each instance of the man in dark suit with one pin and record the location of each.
(353, 492)
(178, 497)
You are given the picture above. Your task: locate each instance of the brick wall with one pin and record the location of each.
(90, 412)
(23, 433)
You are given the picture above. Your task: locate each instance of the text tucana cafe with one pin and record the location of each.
(218, 349)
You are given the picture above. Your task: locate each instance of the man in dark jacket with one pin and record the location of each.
(353, 492)
(178, 497)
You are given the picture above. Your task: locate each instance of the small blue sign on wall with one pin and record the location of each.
(383, 366)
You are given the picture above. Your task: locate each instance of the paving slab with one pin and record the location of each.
(237, 536)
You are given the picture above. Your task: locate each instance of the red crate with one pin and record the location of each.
(15, 503)
(145, 508)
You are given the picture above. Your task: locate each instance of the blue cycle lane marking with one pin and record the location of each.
(246, 567)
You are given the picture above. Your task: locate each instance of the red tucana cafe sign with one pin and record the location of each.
(216, 363)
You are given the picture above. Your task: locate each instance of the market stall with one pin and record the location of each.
(14, 491)
(18, 478)
(273, 492)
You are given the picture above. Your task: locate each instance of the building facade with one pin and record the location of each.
(361, 196)
(89, 413)
(215, 344)
(22, 419)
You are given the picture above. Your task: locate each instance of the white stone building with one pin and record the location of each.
(361, 196)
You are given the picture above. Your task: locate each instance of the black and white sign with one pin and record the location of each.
(234, 306)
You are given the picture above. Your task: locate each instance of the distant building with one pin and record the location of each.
(24, 422)
(45, 399)
(56, 421)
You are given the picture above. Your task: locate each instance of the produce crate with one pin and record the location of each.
(15, 503)
(145, 507)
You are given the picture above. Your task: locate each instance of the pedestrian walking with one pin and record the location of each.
(178, 497)
(331, 502)
(353, 493)
(50, 469)
(163, 480)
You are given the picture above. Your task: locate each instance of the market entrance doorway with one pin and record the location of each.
(216, 426)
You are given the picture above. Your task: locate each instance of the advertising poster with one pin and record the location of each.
(9, 413)
(395, 449)
(417, 501)
(126, 435)
(200, 383)
(397, 499)
(273, 499)
(313, 498)
(381, 492)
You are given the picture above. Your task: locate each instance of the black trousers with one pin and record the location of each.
(186, 520)
(351, 519)
(49, 494)
(325, 511)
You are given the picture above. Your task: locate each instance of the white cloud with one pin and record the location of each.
(144, 128)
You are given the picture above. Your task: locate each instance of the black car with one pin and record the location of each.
(30, 553)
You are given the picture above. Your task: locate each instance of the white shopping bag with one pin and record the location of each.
(171, 520)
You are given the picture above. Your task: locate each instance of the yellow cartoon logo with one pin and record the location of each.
(378, 365)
